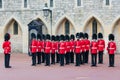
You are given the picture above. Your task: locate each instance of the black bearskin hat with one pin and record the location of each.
(94, 36)
(62, 37)
(86, 35)
(53, 38)
(72, 37)
(33, 35)
(77, 35)
(7, 36)
(43, 36)
(39, 36)
(67, 37)
(100, 35)
(111, 37)
(57, 38)
(81, 35)
(48, 36)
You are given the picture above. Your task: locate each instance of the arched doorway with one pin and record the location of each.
(116, 32)
(36, 26)
(65, 27)
(93, 26)
(15, 31)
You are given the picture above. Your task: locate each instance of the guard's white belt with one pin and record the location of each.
(94, 48)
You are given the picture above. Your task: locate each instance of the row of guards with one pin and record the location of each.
(57, 48)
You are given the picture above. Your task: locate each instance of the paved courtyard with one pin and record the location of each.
(22, 70)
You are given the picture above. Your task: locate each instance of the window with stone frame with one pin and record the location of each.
(94, 26)
(78, 2)
(15, 28)
(25, 3)
(107, 2)
(67, 27)
(51, 3)
(0, 3)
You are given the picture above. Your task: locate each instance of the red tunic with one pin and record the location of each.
(67, 46)
(48, 47)
(94, 47)
(78, 47)
(6, 46)
(72, 47)
(82, 45)
(56, 47)
(111, 47)
(62, 49)
(43, 46)
(101, 45)
(87, 44)
(39, 46)
(33, 46)
(53, 47)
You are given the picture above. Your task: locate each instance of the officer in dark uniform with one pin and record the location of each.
(111, 48)
(7, 49)
(43, 48)
(57, 39)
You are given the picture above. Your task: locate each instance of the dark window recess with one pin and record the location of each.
(107, 2)
(78, 2)
(0, 3)
(15, 28)
(67, 27)
(51, 3)
(94, 27)
(25, 3)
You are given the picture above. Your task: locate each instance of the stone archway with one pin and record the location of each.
(14, 28)
(88, 28)
(65, 27)
(116, 32)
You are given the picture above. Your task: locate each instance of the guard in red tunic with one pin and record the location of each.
(101, 47)
(72, 48)
(57, 39)
(111, 48)
(53, 49)
(7, 49)
(82, 47)
(87, 47)
(39, 48)
(62, 50)
(67, 55)
(78, 50)
(43, 48)
(48, 49)
(94, 48)
(33, 48)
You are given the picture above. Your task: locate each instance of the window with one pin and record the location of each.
(67, 26)
(107, 2)
(94, 27)
(78, 2)
(51, 3)
(15, 27)
(25, 3)
(0, 3)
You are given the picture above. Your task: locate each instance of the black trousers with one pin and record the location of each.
(7, 60)
(111, 60)
(52, 58)
(39, 57)
(86, 56)
(100, 57)
(43, 57)
(33, 58)
(57, 57)
(72, 57)
(47, 56)
(82, 57)
(62, 59)
(78, 56)
(67, 57)
(94, 59)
